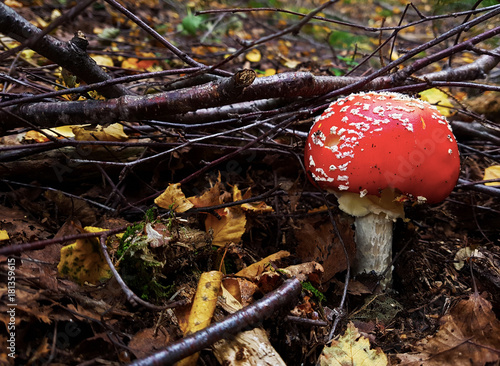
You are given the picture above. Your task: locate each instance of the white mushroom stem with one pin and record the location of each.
(374, 217)
(374, 246)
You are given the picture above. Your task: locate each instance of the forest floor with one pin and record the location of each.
(444, 303)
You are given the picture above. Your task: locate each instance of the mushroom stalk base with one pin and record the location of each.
(374, 246)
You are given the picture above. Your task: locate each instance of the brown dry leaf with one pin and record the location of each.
(229, 228)
(469, 335)
(241, 289)
(72, 207)
(308, 271)
(113, 132)
(148, 340)
(352, 349)
(173, 198)
(319, 243)
(42, 351)
(256, 269)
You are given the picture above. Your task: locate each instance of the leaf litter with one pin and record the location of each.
(423, 332)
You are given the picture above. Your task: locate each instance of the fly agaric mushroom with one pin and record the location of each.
(375, 151)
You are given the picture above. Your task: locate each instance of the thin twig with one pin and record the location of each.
(176, 51)
(39, 244)
(131, 296)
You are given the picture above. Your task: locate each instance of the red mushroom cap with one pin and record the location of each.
(368, 142)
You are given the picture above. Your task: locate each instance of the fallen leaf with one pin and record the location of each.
(210, 197)
(4, 235)
(202, 311)
(251, 347)
(492, 172)
(352, 349)
(256, 269)
(253, 55)
(257, 207)
(465, 254)
(308, 271)
(468, 335)
(148, 340)
(83, 261)
(173, 199)
(229, 228)
(319, 243)
(103, 60)
(113, 132)
(439, 98)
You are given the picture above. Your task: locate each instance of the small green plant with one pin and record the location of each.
(309, 287)
(191, 23)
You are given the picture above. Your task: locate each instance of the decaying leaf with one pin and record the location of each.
(318, 242)
(308, 271)
(465, 254)
(173, 198)
(469, 335)
(229, 228)
(492, 172)
(353, 350)
(83, 261)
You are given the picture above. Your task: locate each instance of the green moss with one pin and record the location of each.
(309, 287)
(125, 241)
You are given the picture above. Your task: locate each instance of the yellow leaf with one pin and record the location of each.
(13, 4)
(83, 261)
(202, 311)
(269, 72)
(229, 228)
(102, 60)
(130, 63)
(204, 301)
(440, 99)
(492, 172)
(253, 55)
(113, 132)
(4, 235)
(352, 349)
(62, 131)
(210, 197)
(174, 198)
(256, 269)
(27, 54)
(259, 206)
